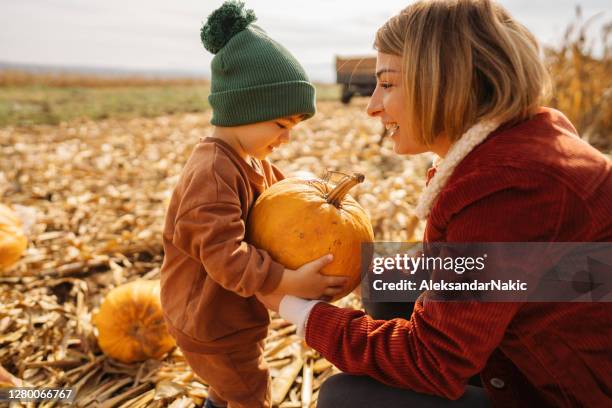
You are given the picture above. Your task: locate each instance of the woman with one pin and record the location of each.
(462, 79)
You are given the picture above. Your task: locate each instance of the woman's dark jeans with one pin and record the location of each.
(344, 390)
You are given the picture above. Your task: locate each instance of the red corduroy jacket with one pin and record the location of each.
(535, 181)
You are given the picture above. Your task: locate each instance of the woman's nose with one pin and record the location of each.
(375, 106)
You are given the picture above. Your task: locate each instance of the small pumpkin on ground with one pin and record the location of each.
(130, 323)
(300, 219)
(13, 241)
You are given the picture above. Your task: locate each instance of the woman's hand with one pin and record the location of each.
(308, 283)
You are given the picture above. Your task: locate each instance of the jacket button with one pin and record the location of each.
(497, 383)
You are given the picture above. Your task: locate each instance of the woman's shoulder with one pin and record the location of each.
(538, 170)
(546, 149)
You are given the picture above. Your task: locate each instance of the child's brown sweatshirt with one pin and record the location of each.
(210, 274)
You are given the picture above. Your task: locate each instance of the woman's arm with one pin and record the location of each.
(435, 352)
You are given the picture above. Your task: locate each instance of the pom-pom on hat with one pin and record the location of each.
(254, 78)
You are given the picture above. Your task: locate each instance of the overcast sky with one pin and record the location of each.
(164, 35)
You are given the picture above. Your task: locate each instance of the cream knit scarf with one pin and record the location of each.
(445, 167)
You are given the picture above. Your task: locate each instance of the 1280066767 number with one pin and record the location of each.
(29, 394)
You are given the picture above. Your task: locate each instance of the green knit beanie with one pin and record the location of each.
(254, 78)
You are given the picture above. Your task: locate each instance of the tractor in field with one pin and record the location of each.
(357, 75)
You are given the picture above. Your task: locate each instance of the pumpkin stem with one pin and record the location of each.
(336, 196)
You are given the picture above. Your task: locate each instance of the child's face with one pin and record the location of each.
(260, 139)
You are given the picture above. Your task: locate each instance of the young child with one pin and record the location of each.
(210, 276)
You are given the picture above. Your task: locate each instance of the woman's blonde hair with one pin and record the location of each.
(463, 61)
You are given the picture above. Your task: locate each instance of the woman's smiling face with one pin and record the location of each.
(388, 102)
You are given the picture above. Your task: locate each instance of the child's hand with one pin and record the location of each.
(307, 282)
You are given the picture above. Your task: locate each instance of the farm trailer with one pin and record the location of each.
(357, 75)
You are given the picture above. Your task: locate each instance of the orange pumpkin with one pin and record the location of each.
(130, 323)
(298, 220)
(13, 241)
